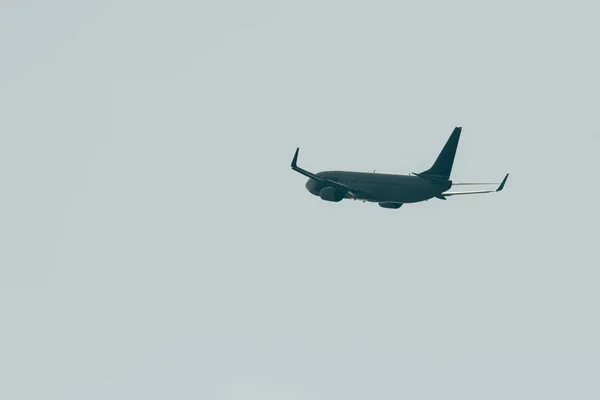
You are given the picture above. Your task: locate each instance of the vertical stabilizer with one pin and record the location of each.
(443, 165)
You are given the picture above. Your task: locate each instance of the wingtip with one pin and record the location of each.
(502, 184)
(295, 159)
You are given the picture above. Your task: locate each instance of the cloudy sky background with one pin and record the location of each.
(155, 243)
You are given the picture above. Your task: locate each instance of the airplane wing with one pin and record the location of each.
(474, 183)
(351, 191)
(443, 195)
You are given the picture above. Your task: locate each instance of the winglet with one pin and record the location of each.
(502, 184)
(295, 160)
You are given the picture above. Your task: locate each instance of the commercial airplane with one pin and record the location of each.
(389, 190)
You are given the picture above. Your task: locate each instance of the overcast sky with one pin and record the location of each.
(156, 244)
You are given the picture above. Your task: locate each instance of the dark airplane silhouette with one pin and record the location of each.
(391, 191)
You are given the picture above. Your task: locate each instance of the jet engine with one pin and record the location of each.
(331, 194)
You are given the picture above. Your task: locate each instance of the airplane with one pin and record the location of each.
(391, 190)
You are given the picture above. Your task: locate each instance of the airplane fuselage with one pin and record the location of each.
(389, 190)
(382, 188)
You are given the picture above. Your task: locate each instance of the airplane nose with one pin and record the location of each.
(311, 186)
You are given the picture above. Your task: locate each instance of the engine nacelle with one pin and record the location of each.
(391, 205)
(331, 194)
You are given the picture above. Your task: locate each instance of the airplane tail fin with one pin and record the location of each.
(443, 165)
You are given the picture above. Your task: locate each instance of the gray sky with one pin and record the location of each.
(157, 245)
